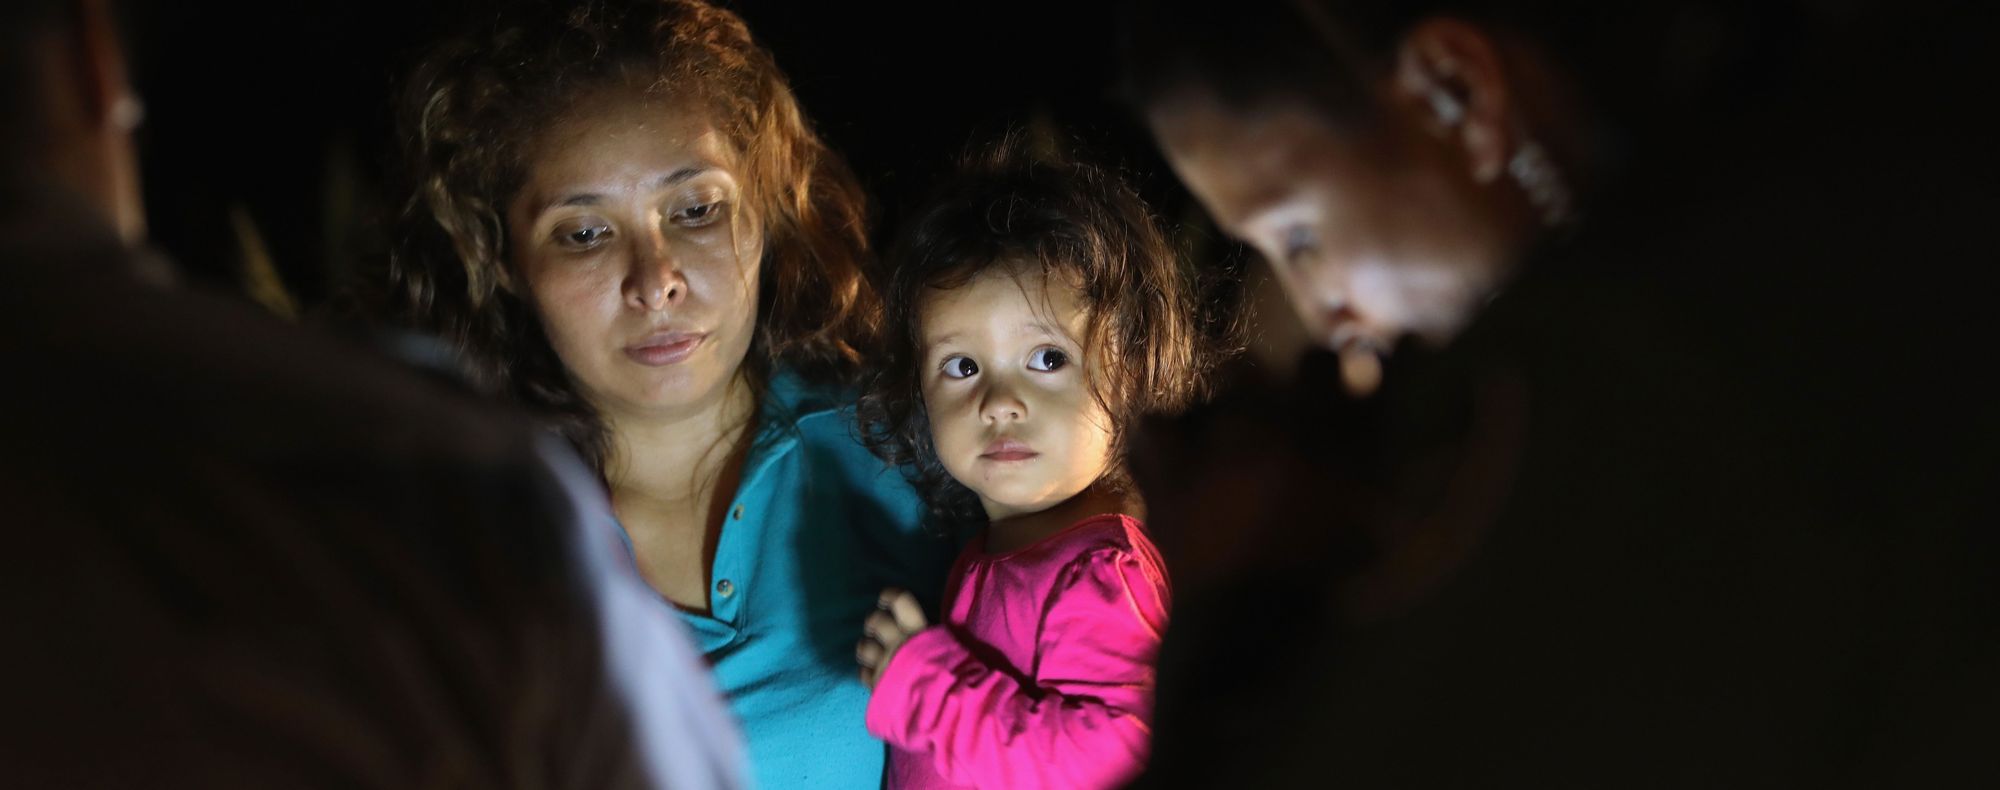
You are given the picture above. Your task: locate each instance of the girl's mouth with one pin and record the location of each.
(1007, 449)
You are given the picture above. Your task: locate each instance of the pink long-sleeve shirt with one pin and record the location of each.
(1041, 674)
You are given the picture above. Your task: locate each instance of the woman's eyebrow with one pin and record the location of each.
(578, 199)
(683, 174)
(594, 198)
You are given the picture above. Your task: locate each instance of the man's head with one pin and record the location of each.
(70, 106)
(1363, 148)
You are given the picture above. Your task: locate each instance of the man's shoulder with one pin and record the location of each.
(104, 353)
(184, 402)
(148, 411)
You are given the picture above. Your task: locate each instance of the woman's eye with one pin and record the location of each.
(1046, 358)
(960, 366)
(586, 236)
(697, 216)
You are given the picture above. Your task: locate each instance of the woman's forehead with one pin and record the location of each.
(614, 147)
(633, 124)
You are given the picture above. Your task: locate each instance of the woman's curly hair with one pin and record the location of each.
(1155, 338)
(470, 115)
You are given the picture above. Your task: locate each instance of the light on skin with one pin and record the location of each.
(1006, 383)
(89, 114)
(1399, 225)
(632, 239)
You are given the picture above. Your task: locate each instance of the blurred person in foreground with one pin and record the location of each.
(1660, 469)
(240, 555)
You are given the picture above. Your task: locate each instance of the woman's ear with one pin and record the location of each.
(1449, 74)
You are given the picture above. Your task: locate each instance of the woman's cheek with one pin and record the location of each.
(725, 278)
(567, 299)
(575, 306)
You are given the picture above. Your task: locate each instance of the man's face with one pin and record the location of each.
(1374, 234)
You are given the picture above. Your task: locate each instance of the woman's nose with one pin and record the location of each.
(655, 282)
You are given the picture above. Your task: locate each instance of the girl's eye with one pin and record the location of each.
(1299, 243)
(1047, 358)
(697, 216)
(959, 366)
(584, 237)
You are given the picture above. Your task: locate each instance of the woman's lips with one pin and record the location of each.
(665, 348)
(1008, 450)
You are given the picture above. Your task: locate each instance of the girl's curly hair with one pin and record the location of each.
(469, 117)
(1080, 226)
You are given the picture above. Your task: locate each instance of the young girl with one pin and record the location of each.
(1035, 311)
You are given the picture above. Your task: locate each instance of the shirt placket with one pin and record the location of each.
(731, 576)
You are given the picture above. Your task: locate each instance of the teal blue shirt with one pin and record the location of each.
(817, 528)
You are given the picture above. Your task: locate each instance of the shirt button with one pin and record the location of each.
(737, 514)
(724, 588)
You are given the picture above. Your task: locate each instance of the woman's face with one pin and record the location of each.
(632, 239)
(1373, 234)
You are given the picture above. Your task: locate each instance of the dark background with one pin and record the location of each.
(282, 112)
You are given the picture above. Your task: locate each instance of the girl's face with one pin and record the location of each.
(632, 239)
(1006, 384)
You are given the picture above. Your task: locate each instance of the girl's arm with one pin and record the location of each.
(1082, 721)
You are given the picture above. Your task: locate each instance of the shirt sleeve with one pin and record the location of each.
(1081, 721)
(683, 736)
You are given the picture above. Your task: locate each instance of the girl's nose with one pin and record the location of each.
(1001, 405)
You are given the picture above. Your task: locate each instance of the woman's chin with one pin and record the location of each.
(661, 393)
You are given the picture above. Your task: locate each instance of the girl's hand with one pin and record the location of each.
(897, 619)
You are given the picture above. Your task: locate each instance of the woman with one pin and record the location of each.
(1621, 273)
(623, 222)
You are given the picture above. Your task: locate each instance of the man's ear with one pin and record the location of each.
(1449, 74)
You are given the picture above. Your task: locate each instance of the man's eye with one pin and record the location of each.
(1047, 358)
(960, 366)
(1300, 243)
